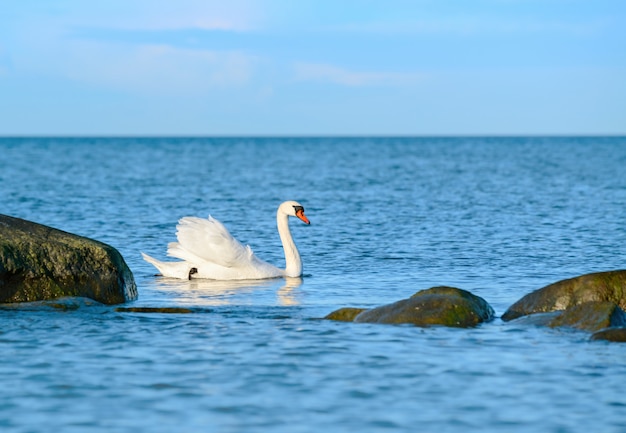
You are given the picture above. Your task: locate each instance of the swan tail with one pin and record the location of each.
(181, 270)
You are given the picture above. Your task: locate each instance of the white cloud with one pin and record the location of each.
(467, 25)
(159, 69)
(48, 45)
(337, 75)
(234, 15)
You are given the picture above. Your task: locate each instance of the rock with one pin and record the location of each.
(538, 319)
(60, 304)
(591, 316)
(601, 286)
(345, 314)
(41, 263)
(611, 334)
(163, 310)
(445, 306)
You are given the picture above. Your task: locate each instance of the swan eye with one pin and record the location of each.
(298, 209)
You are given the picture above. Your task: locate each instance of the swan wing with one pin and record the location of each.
(208, 240)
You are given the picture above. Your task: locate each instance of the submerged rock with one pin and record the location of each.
(611, 334)
(601, 286)
(63, 304)
(39, 263)
(163, 310)
(591, 316)
(346, 314)
(443, 306)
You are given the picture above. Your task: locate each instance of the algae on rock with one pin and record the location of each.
(443, 306)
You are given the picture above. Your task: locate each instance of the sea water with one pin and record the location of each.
(499, 217)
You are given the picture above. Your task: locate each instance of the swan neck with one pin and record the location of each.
(293, 262)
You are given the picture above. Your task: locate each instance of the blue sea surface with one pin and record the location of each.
(497, 216)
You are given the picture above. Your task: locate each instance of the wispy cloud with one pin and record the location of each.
(157, 69)
(479, 25)
(49, 46)
(234, 15)
(337, 75)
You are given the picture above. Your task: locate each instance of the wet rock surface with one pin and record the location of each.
(346, 314)
(611, 334)
(443, 306)
(38, 262)
(591, 316)
(562, 295)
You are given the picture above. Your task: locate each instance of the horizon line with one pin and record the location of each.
(434, 135)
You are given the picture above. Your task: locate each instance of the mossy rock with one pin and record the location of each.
(38, 263)
(346, 314)
(443, 306)
(611, 334)
(562, 295)
(591, 316)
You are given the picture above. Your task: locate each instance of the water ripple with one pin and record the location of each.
(497, 216)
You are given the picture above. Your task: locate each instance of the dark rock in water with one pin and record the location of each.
(591, 316)
(39, 263)
(611, 334)
(163, 310)
(444, 306)
(601, 286)
(71, 303)
(538, 319)
(345, 314)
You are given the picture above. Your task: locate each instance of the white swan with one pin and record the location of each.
(208, 250)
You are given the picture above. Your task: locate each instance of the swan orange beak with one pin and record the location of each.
(300, 214)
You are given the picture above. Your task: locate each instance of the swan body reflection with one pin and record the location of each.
(203, 292)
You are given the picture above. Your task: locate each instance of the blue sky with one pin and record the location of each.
(324, 67)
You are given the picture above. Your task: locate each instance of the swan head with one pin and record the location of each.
(294, 209)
